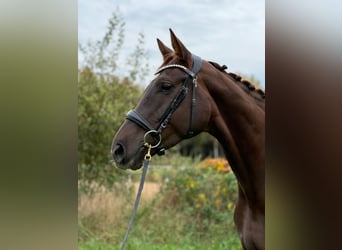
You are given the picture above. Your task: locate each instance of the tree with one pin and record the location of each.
(103, 103)
(103, 56)
(138, 60)
(104, 99)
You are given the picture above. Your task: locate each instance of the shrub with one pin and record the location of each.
(218, 164)
(206, 193)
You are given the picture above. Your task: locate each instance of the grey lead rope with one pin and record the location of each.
(137, 199)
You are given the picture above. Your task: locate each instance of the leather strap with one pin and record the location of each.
(135, 117)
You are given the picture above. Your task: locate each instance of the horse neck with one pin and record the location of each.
(238, 123)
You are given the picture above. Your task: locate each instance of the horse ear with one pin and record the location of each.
(164, 50)
(180, 49)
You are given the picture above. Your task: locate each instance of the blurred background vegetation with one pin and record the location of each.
(190, 192)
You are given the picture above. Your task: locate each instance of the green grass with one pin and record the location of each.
(134, 243)
(192, 211)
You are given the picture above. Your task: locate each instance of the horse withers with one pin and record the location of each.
(189, 96)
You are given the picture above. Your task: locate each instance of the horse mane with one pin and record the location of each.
(249, 88)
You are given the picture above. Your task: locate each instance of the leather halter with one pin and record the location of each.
(135, 117)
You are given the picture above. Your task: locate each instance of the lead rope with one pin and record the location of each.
(137, 199)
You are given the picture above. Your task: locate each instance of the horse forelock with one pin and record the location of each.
(248, 86)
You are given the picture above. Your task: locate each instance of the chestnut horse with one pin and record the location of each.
(188, 96)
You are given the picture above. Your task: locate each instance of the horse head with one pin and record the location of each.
(172, 108)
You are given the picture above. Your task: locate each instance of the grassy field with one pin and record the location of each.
(187, 209)
(137, 244)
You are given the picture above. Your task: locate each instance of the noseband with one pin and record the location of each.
(155, 133)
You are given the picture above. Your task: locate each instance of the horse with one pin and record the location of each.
(189, 96)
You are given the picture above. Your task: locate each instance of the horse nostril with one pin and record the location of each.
(119, 153)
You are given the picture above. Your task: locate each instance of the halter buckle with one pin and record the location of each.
(194, 81)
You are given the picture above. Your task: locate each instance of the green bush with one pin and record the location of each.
(104, 99)
(205, 194)
(102, 105)
(194, 210)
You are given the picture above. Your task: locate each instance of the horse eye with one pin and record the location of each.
(166, 86)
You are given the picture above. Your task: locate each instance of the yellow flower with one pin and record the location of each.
(218, 164)
(191, 184)
(217, 203)
(202, 197)
(230, 205)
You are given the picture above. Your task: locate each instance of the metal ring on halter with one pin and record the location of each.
(150, 132)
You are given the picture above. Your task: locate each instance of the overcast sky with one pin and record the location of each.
(230, 32)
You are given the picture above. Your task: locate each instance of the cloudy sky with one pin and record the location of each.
(230, 32)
